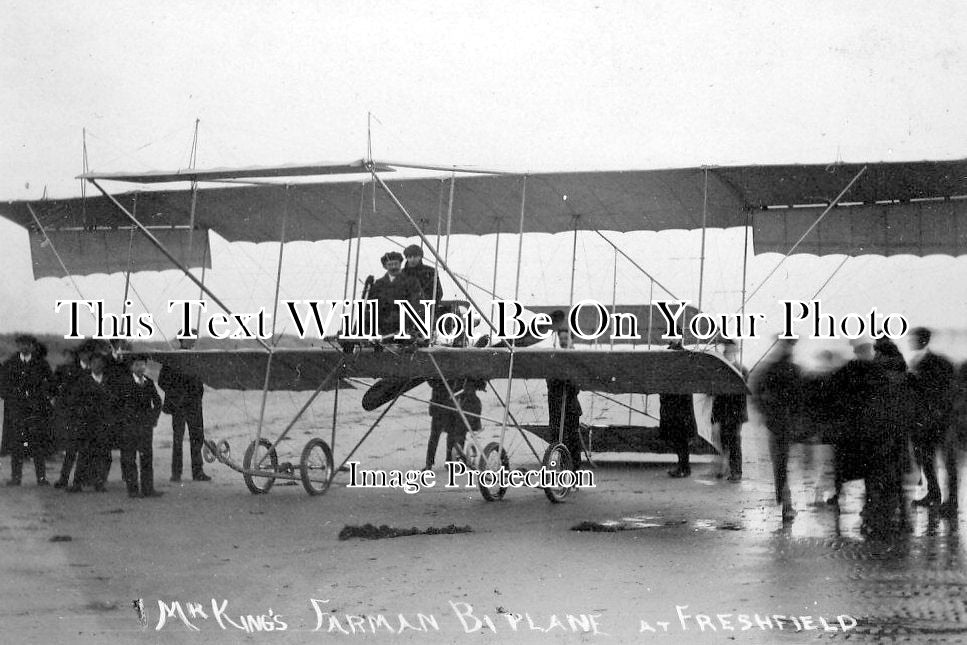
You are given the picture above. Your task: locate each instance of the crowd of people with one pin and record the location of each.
(99, 399)
(873, 410)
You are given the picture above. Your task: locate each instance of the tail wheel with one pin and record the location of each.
(557, 458)
(316, 467)
(259, 484)
(493, 458)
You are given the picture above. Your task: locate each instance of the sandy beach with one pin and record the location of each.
(695, 560)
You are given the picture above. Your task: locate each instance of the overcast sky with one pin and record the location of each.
(518, 86)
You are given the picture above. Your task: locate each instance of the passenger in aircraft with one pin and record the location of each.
(777, 392)
(729, 411)
(932, 378)
(677, 424)
(25, 381)
(423, 274)
(140, 409)
(564, 408)
(183, 401)
(390, 288)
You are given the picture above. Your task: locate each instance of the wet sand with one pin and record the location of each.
(698, 560)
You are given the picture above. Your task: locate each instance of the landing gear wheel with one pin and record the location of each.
(557, 458)
(490, 461)
(208, 452)
(316, 467)
(259, 484)
(223, 450)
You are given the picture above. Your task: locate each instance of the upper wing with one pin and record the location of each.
(903, 207)
(653, 371)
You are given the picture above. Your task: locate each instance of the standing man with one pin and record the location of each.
(729, 411)
(778, 394)
(25, 380)
(955, 440)
(564, 408)
(677, 424)
(932, 379)
(91, 400)
(183, 394)
(389, 289)
(141, 407)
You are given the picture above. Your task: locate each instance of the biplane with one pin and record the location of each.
(877, 208)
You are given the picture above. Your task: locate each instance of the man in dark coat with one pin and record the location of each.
(729, 411)
(851, 389)
(888, 416)
(140, 408)
(65, 406)
(932, 379)
(955, 440)
(778, 395)
(25, 381)
(677, 424)
(93, 401)
(393, 286)
(63, 377)
(449, 421)
(564, 409)
(183, 395)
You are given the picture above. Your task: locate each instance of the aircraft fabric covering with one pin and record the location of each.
(114, 251)
(686, 198)
(919, 228)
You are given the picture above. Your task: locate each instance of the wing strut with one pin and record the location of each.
(275, 311)
(513, 342)
(161, 247)
(56, 254)
(809, 230)
(433, 250)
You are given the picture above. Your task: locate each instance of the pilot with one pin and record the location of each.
(25, 380)
(564, 408)
(183, 394)
(392, 287)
